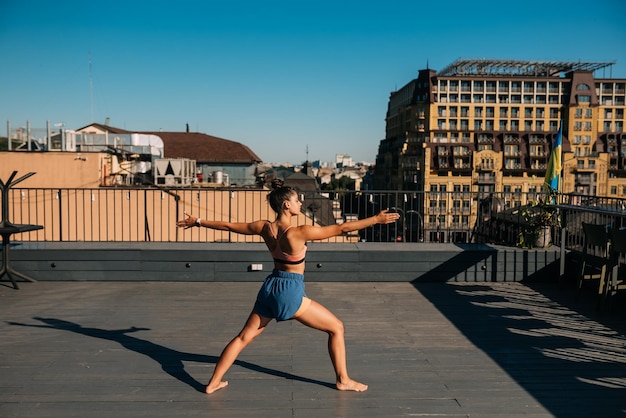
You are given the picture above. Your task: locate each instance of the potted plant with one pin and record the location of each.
(537, 221)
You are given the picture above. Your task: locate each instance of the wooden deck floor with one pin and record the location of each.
(146, 349)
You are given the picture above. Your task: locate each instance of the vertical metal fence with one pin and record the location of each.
(149, 214)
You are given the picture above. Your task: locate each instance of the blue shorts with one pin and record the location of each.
(280, 295)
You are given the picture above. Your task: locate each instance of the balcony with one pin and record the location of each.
(486, 179)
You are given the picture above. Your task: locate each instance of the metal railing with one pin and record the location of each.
(150, 214)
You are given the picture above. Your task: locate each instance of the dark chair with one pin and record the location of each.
(614, 282)
(595, 257)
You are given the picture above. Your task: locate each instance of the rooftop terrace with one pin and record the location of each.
(518, 67)
(130, 349)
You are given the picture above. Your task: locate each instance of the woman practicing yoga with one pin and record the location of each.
(282, 296)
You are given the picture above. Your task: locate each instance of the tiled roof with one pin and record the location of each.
(205, 148)
(196, 146)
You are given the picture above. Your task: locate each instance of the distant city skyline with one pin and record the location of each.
(287, 80)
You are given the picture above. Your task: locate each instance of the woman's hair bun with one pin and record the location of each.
(277, 184)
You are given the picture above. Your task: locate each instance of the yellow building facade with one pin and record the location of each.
(486, 128)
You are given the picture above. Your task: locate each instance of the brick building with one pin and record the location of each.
(488, 125)
(482, 127)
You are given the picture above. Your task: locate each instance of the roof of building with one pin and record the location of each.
(302, 182)
(518, 68)
(105, 128)
(195, 145)
(205, 148)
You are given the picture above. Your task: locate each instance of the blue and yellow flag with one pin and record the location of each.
(553, 173)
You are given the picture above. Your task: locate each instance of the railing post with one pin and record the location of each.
(60, 215)
(146, 227)
(562, 249)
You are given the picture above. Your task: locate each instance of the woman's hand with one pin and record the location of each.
(188, 222)
(386, 217)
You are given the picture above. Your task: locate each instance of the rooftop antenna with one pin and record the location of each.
(90, 90)
(307, 152)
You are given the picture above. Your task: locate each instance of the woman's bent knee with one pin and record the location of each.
(337, 328)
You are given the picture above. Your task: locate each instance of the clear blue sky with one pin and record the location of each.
(274, 75)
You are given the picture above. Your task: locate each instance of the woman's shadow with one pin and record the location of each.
(171, 361)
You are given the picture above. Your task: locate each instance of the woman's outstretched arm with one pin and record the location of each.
(252, 228)
(311, 233)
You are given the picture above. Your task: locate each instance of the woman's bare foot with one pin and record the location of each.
(210, 389)
(351, 385)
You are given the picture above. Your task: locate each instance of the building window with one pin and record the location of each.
(553, 87)
(529, 87)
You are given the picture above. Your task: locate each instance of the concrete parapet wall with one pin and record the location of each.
(252, 262)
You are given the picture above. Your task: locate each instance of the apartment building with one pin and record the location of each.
(483, 126)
